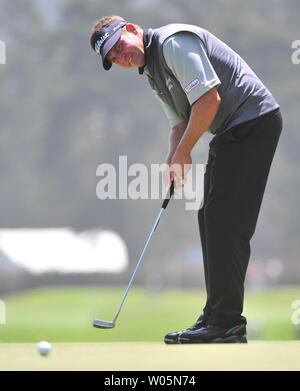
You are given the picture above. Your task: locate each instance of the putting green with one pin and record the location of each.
(152, 356)
(66, 314)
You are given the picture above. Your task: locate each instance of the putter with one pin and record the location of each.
(103, 324)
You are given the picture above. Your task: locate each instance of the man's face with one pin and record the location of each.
(128, 52)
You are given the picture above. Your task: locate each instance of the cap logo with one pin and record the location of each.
(119, 25)
(100, 42)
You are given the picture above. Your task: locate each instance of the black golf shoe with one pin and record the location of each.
(214, 334)
(172, 338)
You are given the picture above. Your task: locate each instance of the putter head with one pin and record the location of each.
(103, 324)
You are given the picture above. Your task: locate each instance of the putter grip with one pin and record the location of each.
(167, 199)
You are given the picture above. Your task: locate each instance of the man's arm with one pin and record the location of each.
(187, 59)
(202, 115)
(175, 138)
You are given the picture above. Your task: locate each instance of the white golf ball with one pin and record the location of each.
(44, 348)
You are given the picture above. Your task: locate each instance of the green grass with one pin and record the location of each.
(151, 356)
(66, 314)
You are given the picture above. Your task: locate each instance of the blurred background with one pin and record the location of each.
(65, 255)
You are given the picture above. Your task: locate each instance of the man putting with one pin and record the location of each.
(204, 86)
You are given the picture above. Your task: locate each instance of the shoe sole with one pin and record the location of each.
(171, 341)
(231, 339)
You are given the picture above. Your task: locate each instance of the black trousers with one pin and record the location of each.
(234, 183)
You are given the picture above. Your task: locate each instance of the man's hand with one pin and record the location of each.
(202, 115)
(177, 169)
(175, 137)
(181, 164)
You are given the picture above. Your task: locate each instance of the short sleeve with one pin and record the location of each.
(186, 57)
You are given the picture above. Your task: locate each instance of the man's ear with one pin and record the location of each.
(131, 28)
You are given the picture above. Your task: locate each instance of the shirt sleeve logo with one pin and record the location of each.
(192, 85)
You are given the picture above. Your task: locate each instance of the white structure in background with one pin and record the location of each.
(63, 250)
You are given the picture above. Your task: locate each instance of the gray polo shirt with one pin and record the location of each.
(186, 56)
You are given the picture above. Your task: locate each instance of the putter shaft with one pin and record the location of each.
(104, 324)
(138, 264)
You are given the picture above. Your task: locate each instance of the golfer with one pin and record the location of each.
(205, 86)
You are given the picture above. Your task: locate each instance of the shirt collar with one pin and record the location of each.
(147, 41)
